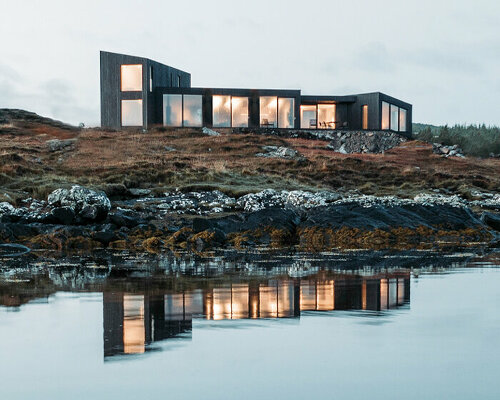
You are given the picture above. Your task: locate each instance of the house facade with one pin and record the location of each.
(139, 92)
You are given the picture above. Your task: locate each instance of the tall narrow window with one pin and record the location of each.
(131, 78)
(385, 115)
(192, 115)
(132, 113)
(150, 78)
(402, 120)
(308, 117)
(394, 118)
(178, 81)
(172, 109)
(239, 112)
(326, 116)
(221, 111)
(286, 113)
(268, 111)
(364, 117)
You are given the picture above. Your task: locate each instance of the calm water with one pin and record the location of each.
(337, 326)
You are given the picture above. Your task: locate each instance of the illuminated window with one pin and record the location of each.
(394, 117)
(221, 111)
(172, 109)
(192, 115)
(402, 120)
(308, 118)
(364, 117)
(240, 112)
(326, 116)
(132, 113)
(286, 113)
(150, 79)
(131, 78)
(268, 111)
(385, 115)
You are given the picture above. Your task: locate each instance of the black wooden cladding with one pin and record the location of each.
(169, 80)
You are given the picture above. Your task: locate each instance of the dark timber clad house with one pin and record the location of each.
(138, 92)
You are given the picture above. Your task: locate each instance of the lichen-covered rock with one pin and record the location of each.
(87, 204)
(347, 142)
(279, 152)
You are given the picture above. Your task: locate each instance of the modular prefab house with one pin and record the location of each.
(138, 92)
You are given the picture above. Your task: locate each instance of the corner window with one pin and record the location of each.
(286, 113)
(268, 111)
(385, 116)
(394, 117)
(364, 117)
(131, 78)
(132, 113)
(402, 120)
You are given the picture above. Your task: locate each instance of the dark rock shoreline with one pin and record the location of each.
(80, 218)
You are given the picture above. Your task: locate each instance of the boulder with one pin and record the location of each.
(492, 220)
(87, 205)
(56, 144)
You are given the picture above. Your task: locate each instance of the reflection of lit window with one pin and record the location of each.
(326, 116)
(384, 293)
(132, 113)
(385, 115)
(286, 113)
(285, 299)
(240, 112)
(325, 299)
(402, 120)
(394, 117)
(308, 117)
(131, 78)
(134, 334)
(221, 111)
(268, 111)
(192, 110)
(364, 117)
(268, 300)
(172, 109)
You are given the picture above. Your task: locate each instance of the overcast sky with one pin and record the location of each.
(441, 56)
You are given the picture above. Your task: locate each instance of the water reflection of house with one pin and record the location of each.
(133, 321)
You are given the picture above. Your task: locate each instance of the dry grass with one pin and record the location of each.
(225, 162)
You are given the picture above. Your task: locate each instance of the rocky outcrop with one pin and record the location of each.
(279, 152)
(447, 151)
(86, 204)
(57, 145)
(348, 142)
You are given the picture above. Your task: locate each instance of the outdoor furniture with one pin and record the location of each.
(313, 123)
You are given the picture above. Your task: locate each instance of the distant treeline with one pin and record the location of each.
(475, 140)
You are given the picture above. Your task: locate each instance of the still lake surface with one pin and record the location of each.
(332, 326)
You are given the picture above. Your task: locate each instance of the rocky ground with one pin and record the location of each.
(68, 188)
(80, 218)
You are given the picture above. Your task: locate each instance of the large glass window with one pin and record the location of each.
(364, 117)
(221, 111)
(286, 113)
(402, 120)
(132, 113)
(192, 115)
(240, 112)
(131, 78)
(308, 118)
(268, 111)
(172, 109)
(326, 116)
(385, 115)
(394, 117)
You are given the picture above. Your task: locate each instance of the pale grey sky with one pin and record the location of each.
(441, 56)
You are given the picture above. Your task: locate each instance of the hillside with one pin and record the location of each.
(38, 155)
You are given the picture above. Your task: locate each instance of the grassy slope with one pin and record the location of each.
(226, 162)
